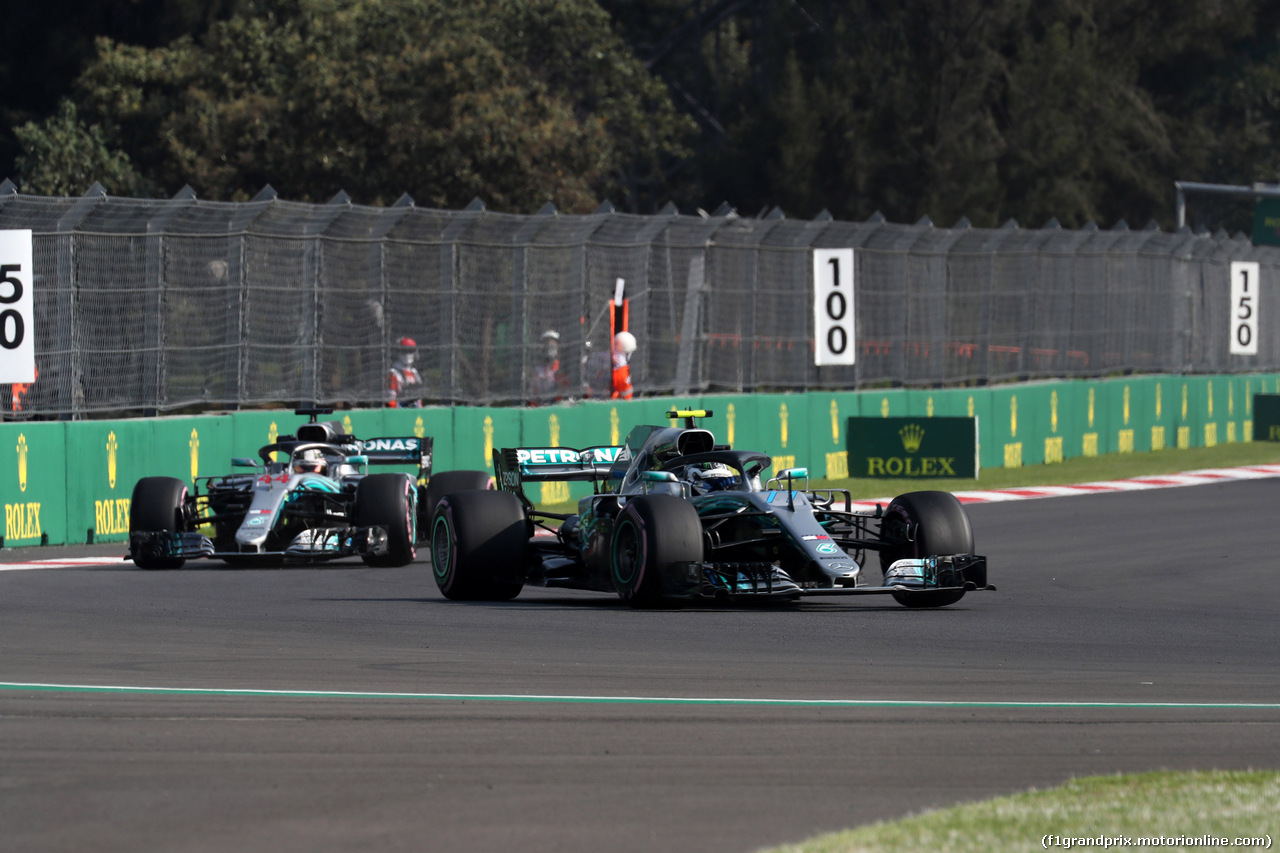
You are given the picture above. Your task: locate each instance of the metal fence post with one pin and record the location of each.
(70, 381)
(154, 320)
(452, 235)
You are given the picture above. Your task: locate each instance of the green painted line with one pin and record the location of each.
(631, 700)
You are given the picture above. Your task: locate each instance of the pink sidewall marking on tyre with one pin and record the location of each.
(410, 511)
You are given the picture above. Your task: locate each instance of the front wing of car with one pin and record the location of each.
(313, 545)
(743, 581)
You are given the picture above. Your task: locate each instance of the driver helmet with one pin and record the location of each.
(310, 462)
(713, 478)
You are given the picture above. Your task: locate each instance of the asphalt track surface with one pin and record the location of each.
(345, 708)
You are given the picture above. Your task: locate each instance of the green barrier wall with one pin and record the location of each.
(369, 422)
(771, 423)
(826, 420)
(108, 457)
(435, 422)
(887, 404)
(47, 499)
(476, 432)
(251, 430)
(1016, 413)
(111, 456)
(33, 481)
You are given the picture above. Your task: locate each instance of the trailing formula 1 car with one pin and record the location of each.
(308, 498)
(674, 516)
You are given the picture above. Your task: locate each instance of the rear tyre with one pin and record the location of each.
(389, 501)
(925, 524)
(478, 541)
(650, 534)
(442, 484)
(157, 505)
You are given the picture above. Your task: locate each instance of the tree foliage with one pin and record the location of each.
(520, 103)
(1077, 110)
(989, 109)
(48, 42)
(63, 157)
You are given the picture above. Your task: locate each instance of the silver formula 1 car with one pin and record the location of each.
(309, 497)
(675, 516)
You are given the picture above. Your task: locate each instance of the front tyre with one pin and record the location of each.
(925, 524)
(158, 505)
(650, 534)
(389, 501)
(478, 541)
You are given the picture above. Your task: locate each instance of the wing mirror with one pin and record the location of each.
(662, 483)
(791, 474)
(787, 476)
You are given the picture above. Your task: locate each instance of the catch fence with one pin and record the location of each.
(181, 304)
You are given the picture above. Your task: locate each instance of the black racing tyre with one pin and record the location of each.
(389, 501)
(442, 484)
(478, 541)
(157, 504)
(650, 533)
(940, 527)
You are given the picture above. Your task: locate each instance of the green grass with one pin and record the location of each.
(1222, 804)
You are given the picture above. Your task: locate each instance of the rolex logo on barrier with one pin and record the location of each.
(194, 444)
(112, 447)
(22, 462)
(22, 520)
(895, 447)
(488, 441)
(911, 435)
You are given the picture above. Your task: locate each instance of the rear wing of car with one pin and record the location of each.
(400, 450)
(516, 465)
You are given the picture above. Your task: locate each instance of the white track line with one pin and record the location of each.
(630, 699)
